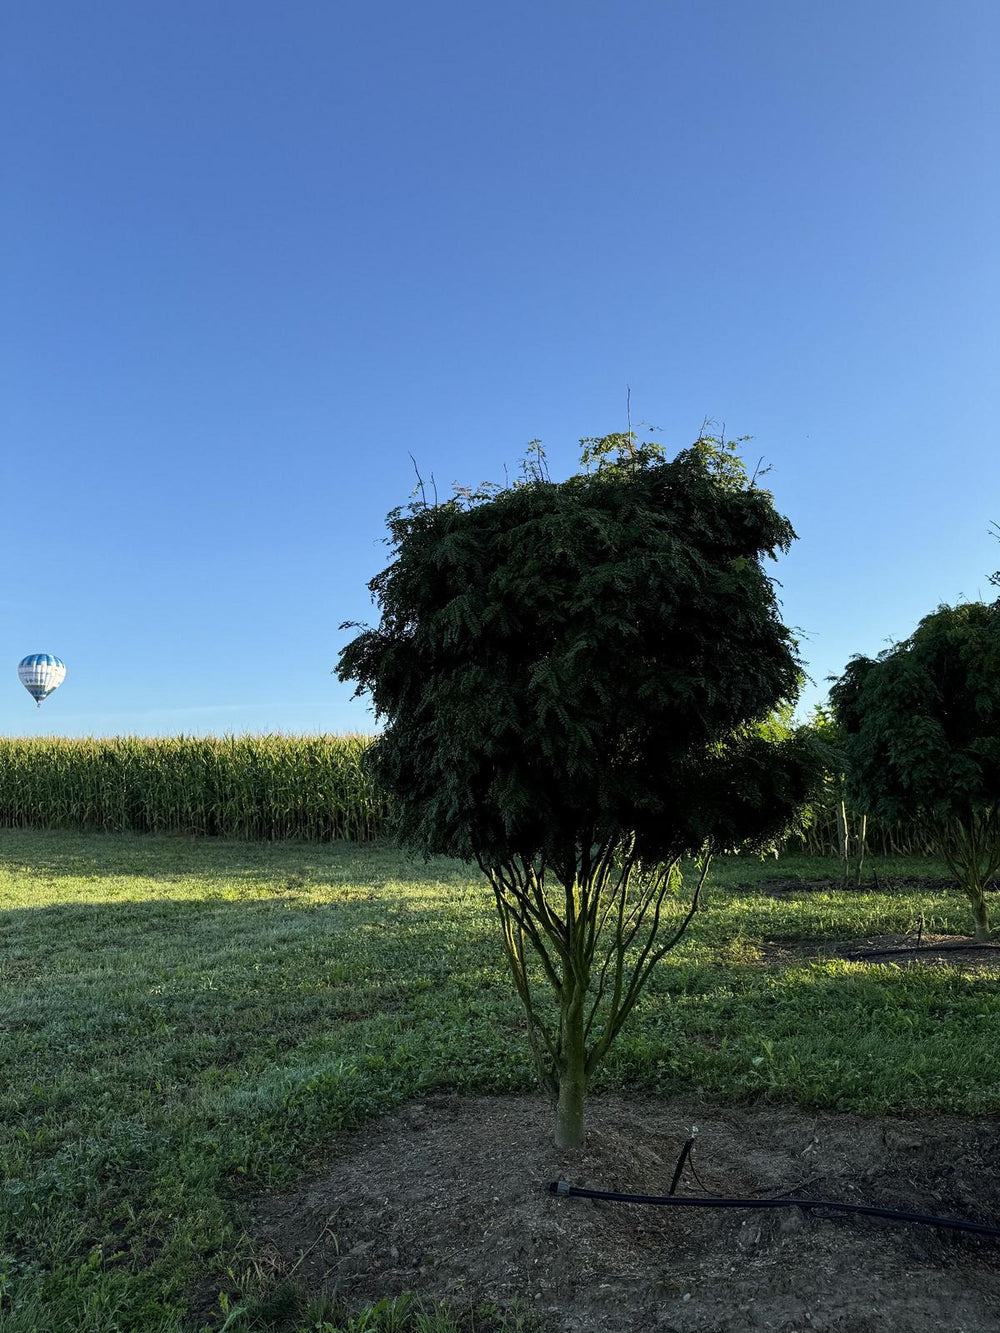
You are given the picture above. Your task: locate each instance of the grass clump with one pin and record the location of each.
(288, 1310)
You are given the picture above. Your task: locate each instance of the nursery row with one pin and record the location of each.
(313, 788)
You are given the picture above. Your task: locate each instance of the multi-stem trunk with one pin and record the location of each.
(971, 848)
(572, 1075)
(595, 939)
(979, 915)
(851, 846)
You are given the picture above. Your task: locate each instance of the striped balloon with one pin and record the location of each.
(40, 674)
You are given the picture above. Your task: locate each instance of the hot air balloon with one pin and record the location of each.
(40, 674)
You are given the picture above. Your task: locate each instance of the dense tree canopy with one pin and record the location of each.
(571, 673)
(923, 737)
(558, 657)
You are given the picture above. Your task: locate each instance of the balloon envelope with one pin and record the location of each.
(40, 674)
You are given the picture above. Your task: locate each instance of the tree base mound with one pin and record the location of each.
(447, 1199)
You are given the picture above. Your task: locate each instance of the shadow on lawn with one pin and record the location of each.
(387, 930)
(167, 858)
(290, 941)
(56, 854)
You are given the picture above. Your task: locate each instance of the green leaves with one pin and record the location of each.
(554, 658)
(922, 723)
(922, 720)
(571, 674)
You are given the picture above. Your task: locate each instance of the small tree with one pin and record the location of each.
(852, 829)
(570, 673)
(923, 739)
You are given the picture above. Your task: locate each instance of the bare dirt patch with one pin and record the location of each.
(784, 888)
(959, 951)
(448, 1199)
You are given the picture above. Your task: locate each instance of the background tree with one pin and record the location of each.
(923, 738)
(570, 675)
(852, 828)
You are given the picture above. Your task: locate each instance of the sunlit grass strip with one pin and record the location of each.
(313, 788)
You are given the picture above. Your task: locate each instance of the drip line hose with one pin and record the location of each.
(921, 948)
(561, 1187)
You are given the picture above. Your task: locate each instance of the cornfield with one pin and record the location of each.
(313, 788)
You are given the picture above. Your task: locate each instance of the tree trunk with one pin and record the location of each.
(572, 1078)
(843, 840)
(569, 1109)
(980, 917)
(860, 846)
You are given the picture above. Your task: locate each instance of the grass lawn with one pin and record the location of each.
(185, 1025)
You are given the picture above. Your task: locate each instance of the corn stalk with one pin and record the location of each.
(311, 788)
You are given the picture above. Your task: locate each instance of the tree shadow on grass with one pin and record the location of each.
(163, 1055)
(57, 853)
(387, 927)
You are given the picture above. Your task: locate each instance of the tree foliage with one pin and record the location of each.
(572, 675)
(829, 801)
(923, 737)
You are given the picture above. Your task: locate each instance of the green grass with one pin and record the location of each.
(186, 1023)
(401, 1314)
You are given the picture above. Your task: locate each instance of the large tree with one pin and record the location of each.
(923, 738)
(572, 676)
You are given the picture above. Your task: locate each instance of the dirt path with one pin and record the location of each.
(448, 1198)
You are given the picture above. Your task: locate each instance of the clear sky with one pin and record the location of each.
(255, 255)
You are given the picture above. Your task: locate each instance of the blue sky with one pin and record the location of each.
(255, 255)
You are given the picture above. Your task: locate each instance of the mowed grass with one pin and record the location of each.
(188, 1024)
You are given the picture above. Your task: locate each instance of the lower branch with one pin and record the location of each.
(649, 956)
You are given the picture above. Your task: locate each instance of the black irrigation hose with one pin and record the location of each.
(687, 1156)
(686, 1201)
(919, 948)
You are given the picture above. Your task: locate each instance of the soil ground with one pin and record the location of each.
(448, 1198)
(784, 888)
(960, 951)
